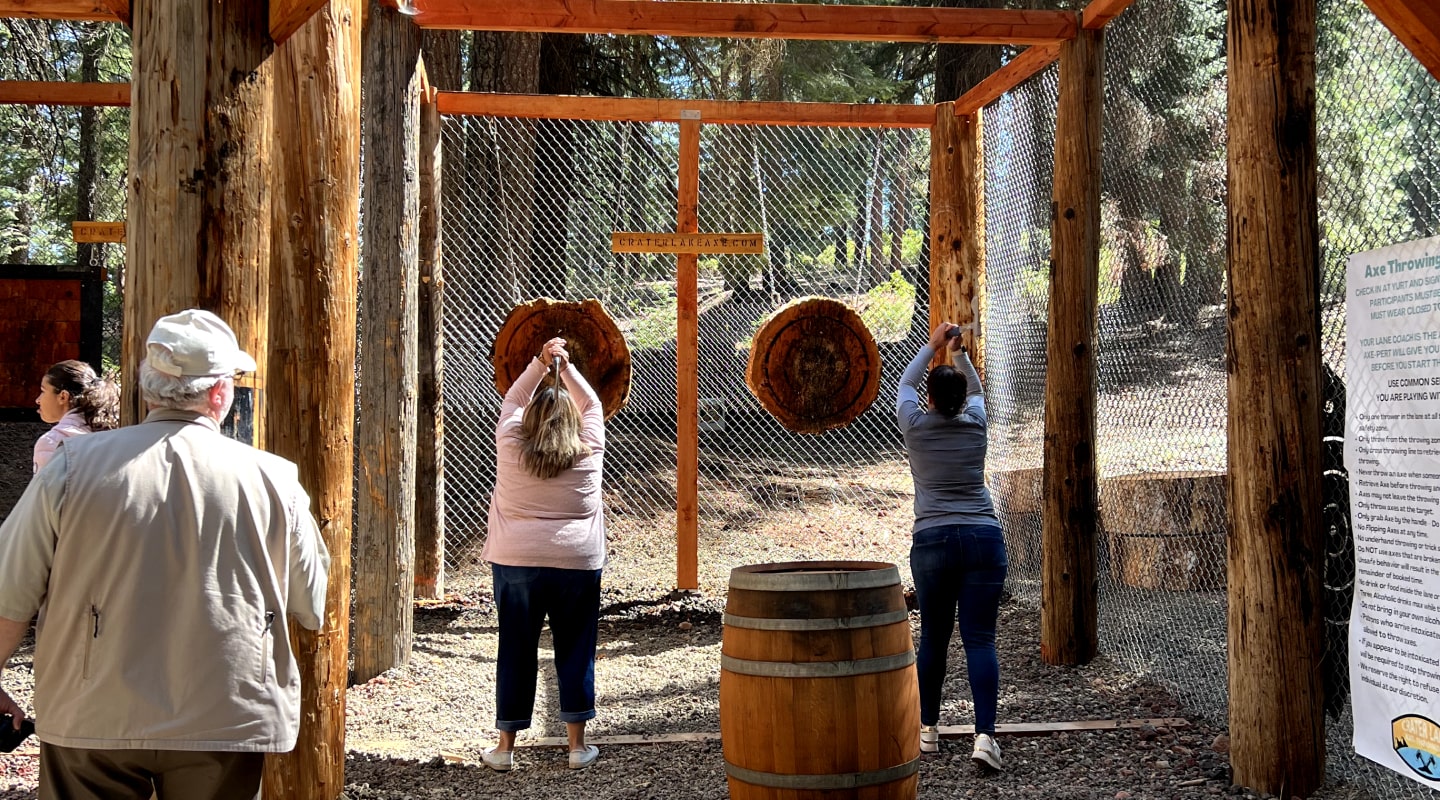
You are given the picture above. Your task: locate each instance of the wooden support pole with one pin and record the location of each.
(430, 432)
(1068, 593)
(957, 224)
(385, 435)
(198, 228)
(687, 366)
(311, 398)
(1276, 548)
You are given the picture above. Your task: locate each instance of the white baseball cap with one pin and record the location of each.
(195, 343)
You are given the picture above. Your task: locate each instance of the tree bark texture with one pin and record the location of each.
(311, 399)
(1068, 633)
(957, 226)
(198, 228)
(430, 427)
(814, 365)
(385, 433)
(1276, 551)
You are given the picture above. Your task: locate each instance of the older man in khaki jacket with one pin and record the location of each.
(163, 559)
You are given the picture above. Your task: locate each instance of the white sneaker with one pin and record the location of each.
(498, 760)
(929, 739)
(584, 757)
(987, 752)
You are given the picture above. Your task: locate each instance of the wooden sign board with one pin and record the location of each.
(98, 231)
(621, 242)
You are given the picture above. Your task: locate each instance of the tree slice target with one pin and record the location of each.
(596, 346)
(814, 365)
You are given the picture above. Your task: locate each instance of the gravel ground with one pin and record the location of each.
(417, 731)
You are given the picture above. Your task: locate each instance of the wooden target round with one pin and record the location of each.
(814, 365)
(592, 338)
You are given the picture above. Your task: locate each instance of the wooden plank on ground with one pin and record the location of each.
(1018, 70)
(64, 93)
(754, 20)
(1416, 23)
(635, 109)
(946, 732)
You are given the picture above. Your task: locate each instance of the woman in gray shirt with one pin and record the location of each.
(958, 554)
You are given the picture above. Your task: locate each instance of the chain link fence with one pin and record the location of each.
(530, 208)
(1161, 443)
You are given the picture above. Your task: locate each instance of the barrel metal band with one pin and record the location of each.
(824, 624)
(846, 780)
(817, 669)
(814, 581)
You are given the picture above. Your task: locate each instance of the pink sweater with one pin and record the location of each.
(559, 522)
(72, 424)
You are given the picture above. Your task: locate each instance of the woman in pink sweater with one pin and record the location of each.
(76, 401)
(546, 546)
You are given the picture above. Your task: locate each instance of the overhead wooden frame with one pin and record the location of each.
(630, 109)
(753, 20)
(286, 16)
(1416, 23)
(62, 93)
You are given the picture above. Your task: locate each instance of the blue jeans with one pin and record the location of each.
(524, 597)
(959, 568)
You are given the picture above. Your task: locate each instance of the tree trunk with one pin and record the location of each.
(90, 255)
(442, 63)
(959, 67)
(1277, 723)
(198, 228)
(312, 400)
(385, 439)
(1068, 593)
(957, 224)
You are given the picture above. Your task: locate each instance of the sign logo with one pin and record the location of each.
(1417, 742)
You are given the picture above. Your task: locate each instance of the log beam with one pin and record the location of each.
(957, 225)
(385, 438)
(1416, 23)
(64, 93)
(286, 16)
(430, 359)
(1068, 614)
(198, 211)
(121, 9)
(1099, 13)
(687, 365)
(714, 112)
(1015, 72)
(311, 404)
(73, 10)
(1276, 549)
(754, 20)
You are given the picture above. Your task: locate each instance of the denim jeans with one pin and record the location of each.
(524, 597)
(959, 571)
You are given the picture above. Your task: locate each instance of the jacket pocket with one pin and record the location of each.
(266, 639)
(94, 633)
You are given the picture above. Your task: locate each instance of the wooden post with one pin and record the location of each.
(198, 229)
(1276, 554)
(687, 366)
(1068, 593)
(957, 225)
(385, 435)
(430, 432)
(311, 400)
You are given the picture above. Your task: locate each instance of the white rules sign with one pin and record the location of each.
(1392, 454)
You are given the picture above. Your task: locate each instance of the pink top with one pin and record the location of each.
(557, 522)
(72, 424)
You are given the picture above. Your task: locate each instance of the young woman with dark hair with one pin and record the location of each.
(76, 401)
(957, 557)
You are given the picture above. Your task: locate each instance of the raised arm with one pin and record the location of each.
(592, 412)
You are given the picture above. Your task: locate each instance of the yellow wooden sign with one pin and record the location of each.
(98, 231)
(621, 242)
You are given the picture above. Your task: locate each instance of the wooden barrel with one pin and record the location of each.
(814, 365)
(818, 694)
(596, 346)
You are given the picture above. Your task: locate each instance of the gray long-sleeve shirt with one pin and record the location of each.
(947, 454)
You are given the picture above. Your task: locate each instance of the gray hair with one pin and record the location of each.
(159, 390)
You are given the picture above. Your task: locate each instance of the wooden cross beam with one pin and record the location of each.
(286, 16)
(1416, 23)
(754, 20)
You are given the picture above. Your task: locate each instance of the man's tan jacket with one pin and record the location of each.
(163, 559)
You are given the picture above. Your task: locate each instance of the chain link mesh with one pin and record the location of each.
(844, 213)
